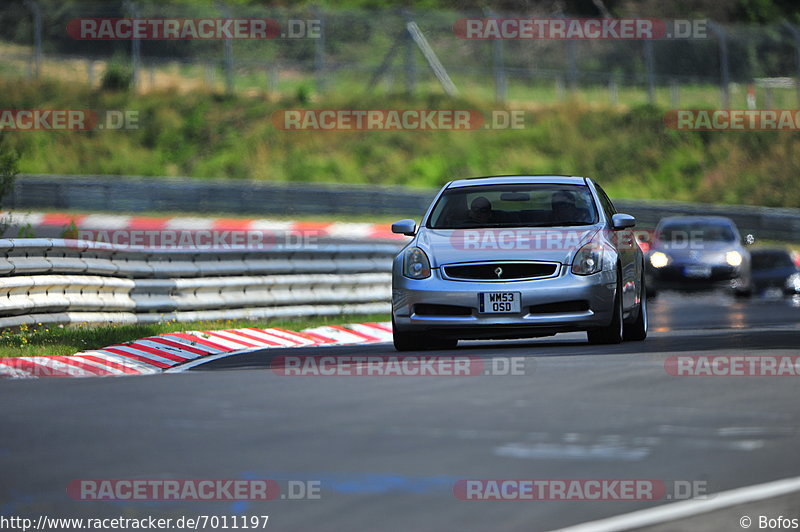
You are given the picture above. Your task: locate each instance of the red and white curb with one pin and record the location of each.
(157, 354)
(112, 222)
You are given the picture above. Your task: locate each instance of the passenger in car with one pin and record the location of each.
(565, 209)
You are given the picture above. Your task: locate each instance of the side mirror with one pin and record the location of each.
(749, 240)
(622, 221)
(406, 227)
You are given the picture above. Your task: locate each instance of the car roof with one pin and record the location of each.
(695, 218)
(518, 180)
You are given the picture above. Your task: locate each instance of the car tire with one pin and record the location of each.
(742, 294)
(637, 331)
(613, 332)
(404, 341)
(415, 341)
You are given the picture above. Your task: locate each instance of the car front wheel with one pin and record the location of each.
(613, 333)
(637, 331)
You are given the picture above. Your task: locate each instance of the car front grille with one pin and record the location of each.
(501, 271)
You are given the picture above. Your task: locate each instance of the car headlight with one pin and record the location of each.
(793, 282)
(659, 260)
(588, 259)
(734, 258)
(416, 264)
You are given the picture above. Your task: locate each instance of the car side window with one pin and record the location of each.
(608, 207)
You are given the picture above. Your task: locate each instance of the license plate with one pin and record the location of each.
(500, 302)
(698, 272)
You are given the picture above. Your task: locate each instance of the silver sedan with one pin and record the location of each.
(514, 257)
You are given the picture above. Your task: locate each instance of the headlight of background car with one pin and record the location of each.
(659, 260)
(734, 258)
(416, 264)
(588, 259)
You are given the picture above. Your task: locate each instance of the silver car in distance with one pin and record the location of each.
(515, 257)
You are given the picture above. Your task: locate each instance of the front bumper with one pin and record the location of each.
(674, 277)
(566, 302)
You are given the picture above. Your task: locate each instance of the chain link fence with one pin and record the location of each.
(346, 52)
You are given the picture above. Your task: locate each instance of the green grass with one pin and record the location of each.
(70, 339)
(207, 135)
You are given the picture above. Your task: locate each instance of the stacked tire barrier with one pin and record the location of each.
(72, 281)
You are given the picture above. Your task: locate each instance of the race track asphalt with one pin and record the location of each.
(387, 451)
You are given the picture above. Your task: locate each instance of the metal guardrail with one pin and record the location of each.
(765, 223)
(66, 281)
(170, 194)
(138, 194)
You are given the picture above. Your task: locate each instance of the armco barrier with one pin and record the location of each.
(171, 194)
(181, 194)
(67, 281)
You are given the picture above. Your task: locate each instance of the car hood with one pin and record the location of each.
(446, 246)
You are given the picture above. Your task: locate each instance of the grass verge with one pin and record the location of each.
(70, 339)
(207, 135)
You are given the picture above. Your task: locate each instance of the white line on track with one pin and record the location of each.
(681, 510)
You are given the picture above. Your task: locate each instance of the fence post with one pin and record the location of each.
(410, 59)
(136, 46)
(723, 60)
(498, 66)
(560, 88)
(796, 34)
(674, 94)
(613, 93)
(319, 50)
(272, 78)
(228, 47)
(649, 61)
(573, 65)
(37, 36)
(210, 77)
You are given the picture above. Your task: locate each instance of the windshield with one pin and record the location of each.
(769, 260)
(681, 232)
(524, 205)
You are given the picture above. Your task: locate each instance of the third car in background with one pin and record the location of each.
(774, 269)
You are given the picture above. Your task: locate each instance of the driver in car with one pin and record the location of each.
(480, 210)
(565, 210)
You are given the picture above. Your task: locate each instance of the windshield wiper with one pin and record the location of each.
(498, 225)
(572, 224)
